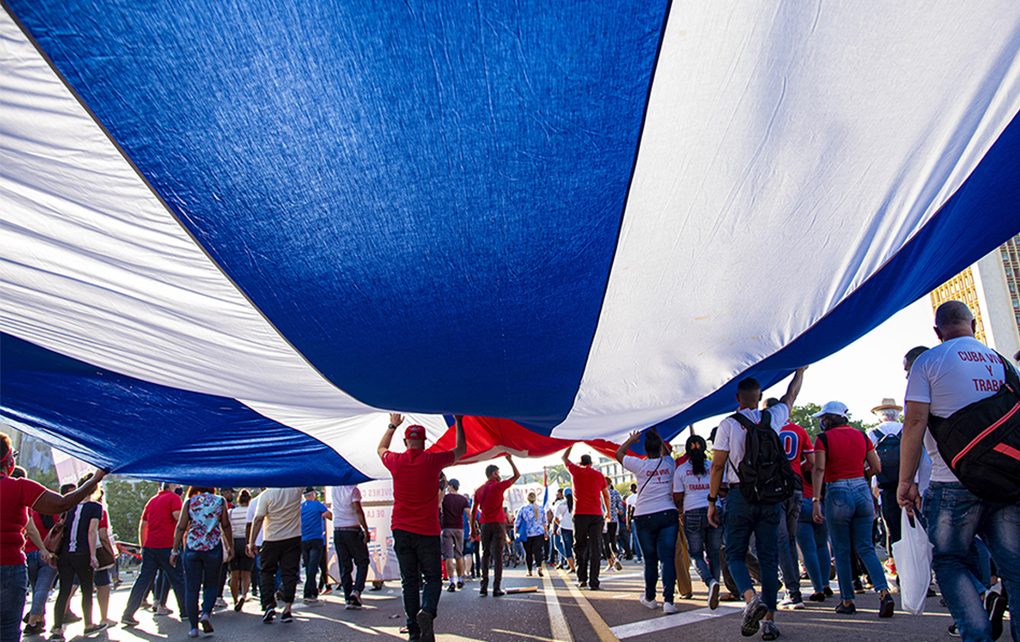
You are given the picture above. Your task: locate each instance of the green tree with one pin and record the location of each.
(125, 500)
(802, 415)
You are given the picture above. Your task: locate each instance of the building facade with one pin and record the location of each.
(991, 288)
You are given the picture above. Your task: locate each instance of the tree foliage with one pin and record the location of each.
(125, 500)
(801, 415)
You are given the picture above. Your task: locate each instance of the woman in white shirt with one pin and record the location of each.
(655, 515)
(690, 492)
(563, 516)
(242, 565)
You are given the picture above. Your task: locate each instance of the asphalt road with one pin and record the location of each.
(556, 611)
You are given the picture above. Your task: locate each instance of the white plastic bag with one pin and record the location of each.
(913, 563)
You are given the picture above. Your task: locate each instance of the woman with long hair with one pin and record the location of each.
(204, 529)
(655, 515)
(690, 492)
(531, 524)
(242, 565)
(563, 514)
(76, 558)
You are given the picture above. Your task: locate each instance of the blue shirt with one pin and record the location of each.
(312, 522)
(528, 522)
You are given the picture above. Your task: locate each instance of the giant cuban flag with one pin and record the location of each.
(234, 234)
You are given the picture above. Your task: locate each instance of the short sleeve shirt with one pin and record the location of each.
(588, 485)
(16, 497)
(281, 510)
(797, 443)
(948, 377)
(342, 498)
(313, 523)
(730, 435)
(250, 516)
(160, 520)
(562, 512)
(845, 449)
(76, 527)
(415, 485)
(489, 500)
(654, 482)
(453, 510)
(694, 487)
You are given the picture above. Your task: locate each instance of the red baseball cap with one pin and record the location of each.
(415, 432)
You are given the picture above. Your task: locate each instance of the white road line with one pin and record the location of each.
(671, 621)
(557, 621)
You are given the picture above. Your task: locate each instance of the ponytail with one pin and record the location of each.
(696, 454)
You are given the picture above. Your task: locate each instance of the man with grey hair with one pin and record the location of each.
(886, 439)
(950, 376)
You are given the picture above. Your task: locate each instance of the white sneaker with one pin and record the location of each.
(789, 604)
(221, 603)
(648, 604)
(669, 609)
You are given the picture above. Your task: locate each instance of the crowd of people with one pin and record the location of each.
(749, 508)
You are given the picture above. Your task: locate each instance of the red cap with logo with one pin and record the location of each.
(415, 432)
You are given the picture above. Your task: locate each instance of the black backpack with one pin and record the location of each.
(981, 442)
(764, 470)
(888, 451)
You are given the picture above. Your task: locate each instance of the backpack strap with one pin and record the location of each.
(1012, 380)
(822, 437)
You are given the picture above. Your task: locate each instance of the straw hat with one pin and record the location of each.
(887, 404)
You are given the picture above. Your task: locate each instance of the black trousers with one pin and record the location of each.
(493, 538)
(70, 565)
(419, 556)
(533, 551)
(352, 552)
(609, 541)
(284, 554)
(588, 548)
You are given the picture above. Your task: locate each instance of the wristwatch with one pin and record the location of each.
(712, 500)
(815, 500)
(392, 427)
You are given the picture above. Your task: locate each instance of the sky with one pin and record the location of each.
(859, 375)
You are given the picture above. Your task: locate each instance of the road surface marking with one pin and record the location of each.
(601, 628)
(557, 621)
(664, 622)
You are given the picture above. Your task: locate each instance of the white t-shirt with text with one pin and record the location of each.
(948, 377)
(654, 482)
(730, 435)
(694, 487)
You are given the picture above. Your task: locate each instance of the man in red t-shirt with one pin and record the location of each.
(591, 494)
(156, 535)
(415, 520)
(488, 511)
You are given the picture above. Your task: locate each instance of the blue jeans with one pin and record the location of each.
(788, 545)
(14, 584)
(40, 577)
(567, 539)
(850, 516)
(657, 533)
(703, 540)
(201, 572)
(635, 541)
(743, 519)
(813, 540)
(154, 559)
(954, 516)
(311, 554)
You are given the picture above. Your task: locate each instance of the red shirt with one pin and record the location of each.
(797, 443)
(844, 457)
(159, 519)
(30, 546)
(489, 500)
(415, 488)
(16, 497)
(588, 486)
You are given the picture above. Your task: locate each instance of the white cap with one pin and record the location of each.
(833, 408)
